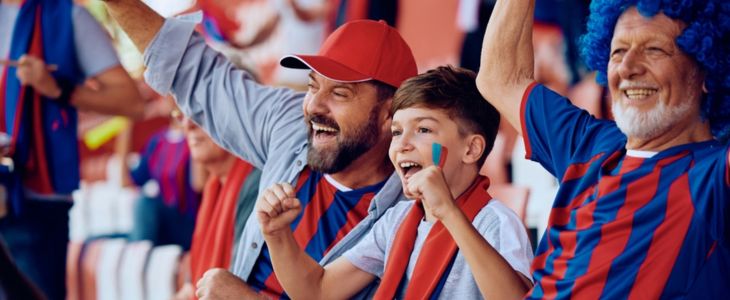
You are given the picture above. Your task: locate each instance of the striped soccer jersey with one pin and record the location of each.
(626, 227)
(327, 216)
(168, 162)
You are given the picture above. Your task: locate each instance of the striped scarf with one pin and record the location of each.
(439, 250)
(43, 131)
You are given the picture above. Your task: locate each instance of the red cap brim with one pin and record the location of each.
(323, 66)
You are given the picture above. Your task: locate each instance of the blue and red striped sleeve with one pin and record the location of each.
(556, 132)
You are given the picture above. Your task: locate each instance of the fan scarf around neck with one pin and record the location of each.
(438, 253)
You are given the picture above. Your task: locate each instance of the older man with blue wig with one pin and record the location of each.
(643, 209)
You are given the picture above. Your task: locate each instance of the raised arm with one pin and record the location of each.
(507, 62)
(138, 20)
(248, 119)
(298, 273)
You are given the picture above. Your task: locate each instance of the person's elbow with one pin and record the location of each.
(123, 93)
(135, 109)
(126, 100)
(486, 85)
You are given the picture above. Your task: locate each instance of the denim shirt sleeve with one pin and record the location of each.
(248, 119)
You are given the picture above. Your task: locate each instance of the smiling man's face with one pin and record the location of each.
(654, 85)
(343, 120)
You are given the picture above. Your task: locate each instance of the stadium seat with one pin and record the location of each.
(131, 270)
(161, 272)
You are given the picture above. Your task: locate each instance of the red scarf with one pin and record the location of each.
(214, 229)
(438, 249)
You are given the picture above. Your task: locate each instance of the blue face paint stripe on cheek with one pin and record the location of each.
(438, 154)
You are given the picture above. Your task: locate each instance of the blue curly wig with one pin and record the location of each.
(706, 39)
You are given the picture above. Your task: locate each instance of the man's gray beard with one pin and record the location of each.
(349, 148)
(650, 124)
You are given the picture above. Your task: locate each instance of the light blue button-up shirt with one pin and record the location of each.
(261, 124)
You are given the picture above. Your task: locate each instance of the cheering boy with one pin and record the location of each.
(452, 241)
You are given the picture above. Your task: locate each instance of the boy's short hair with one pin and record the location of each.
(453, 90)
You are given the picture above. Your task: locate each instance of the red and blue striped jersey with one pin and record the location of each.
(626, 227)
(328, 214)
(168, 162)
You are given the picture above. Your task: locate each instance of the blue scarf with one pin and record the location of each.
(44, 141)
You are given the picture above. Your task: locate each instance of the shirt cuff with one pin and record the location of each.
(164, 54)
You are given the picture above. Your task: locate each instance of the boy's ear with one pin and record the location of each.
(475, 147)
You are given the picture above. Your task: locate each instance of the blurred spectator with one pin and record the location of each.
(170, 186)
(47, 63)
(228, 199)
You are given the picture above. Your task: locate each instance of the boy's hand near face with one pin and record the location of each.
(429, 185)
(277, 208)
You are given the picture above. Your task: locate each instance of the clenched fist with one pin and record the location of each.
(430, 186)
(277, 208)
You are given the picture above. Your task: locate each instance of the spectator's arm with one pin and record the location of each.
(304, 278)
(110, 92)
(138, 20)
(247, 119)
(507, 62)
(298, 273)
(494, 276)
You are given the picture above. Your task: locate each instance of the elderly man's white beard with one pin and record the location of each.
(647, 125)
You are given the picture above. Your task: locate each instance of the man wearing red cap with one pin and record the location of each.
(334, 153)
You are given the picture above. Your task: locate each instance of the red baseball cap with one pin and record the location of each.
(359, 51)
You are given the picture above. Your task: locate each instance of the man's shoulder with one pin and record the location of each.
(708, 154)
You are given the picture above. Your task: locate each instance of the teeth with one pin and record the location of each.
(409, 165)
(318, 127)
(639, 93)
